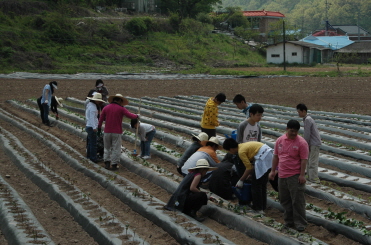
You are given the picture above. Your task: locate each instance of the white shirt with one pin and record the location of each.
(91, 115)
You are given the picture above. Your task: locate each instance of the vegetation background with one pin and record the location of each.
(308, 15)
(65, 36)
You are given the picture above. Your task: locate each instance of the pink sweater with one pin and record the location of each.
(112, 114)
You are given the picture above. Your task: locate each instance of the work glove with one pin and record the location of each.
(46, 102)
(239, 184)
(208, 195)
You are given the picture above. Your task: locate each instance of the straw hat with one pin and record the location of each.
(124, 101)
(202, 163)
(215, 141)
(96, 97)
(201, 137)
(59, 101)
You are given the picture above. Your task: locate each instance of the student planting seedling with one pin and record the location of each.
(188, 198)
(146, 132)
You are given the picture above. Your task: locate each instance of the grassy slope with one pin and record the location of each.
(40, 39)
(48, 41)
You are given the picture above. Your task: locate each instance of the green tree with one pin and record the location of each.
(188, 8)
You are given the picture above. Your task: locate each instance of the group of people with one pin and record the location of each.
(111, 110)
(101, 108)
(288, 166)
(248, 160)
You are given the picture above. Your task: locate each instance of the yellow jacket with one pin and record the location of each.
(210, 116)
(247, 152)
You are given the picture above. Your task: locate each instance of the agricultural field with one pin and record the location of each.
(51, 194)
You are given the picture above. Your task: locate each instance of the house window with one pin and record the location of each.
(294, 54)
(275, 55)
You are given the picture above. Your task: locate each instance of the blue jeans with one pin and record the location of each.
(145, 146)
(46, 113)
(91, 148)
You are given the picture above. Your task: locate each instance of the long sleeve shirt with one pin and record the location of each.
(209, 150)
(144, 128)
(311, 133)
(210, 116)
(54, 105)
(112, 114)
(91, 115)
(247, 152)
(46, 95)
(188, 153)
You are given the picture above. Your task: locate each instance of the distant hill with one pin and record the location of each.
(309, 15)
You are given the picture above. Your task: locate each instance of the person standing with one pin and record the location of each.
(91, 114)
(112, 115)
(198, 141)
(257, 160)
(209, 120)
(241, 104)
(249, 130)
(100, 88)
(53, 107)
(313, 138)
(188, 198)
(45, 101)
(146, 132)
(291, 156)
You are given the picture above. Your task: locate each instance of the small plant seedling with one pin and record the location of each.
(126, 228)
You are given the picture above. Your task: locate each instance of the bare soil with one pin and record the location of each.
(333, 94)
(346, 95)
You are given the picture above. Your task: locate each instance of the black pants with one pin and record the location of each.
(209, 132)
(41, 109)
(194, 201)
(259, 191)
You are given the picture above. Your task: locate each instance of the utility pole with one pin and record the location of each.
(284, 45)
(326, 17)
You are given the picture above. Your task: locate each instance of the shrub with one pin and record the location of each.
(204, 18)
(137, 26)
(6, 52)
(237, 19)
(59, 29)
(191, 27)
(175, 20)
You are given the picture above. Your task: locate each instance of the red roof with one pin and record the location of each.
(262, 13)
(323, 33)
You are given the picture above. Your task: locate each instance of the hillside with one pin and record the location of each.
(309, 15)
(43, 37)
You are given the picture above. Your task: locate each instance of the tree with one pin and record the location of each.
(275, 31)
(188, 8)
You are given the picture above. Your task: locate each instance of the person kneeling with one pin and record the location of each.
(188, 198)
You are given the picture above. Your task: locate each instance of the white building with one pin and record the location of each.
(298, 52)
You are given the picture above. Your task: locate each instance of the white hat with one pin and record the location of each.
(124, 101)
(59, 101)
(202, 163)
(215, 141)
(96, 97)
(201, 137)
